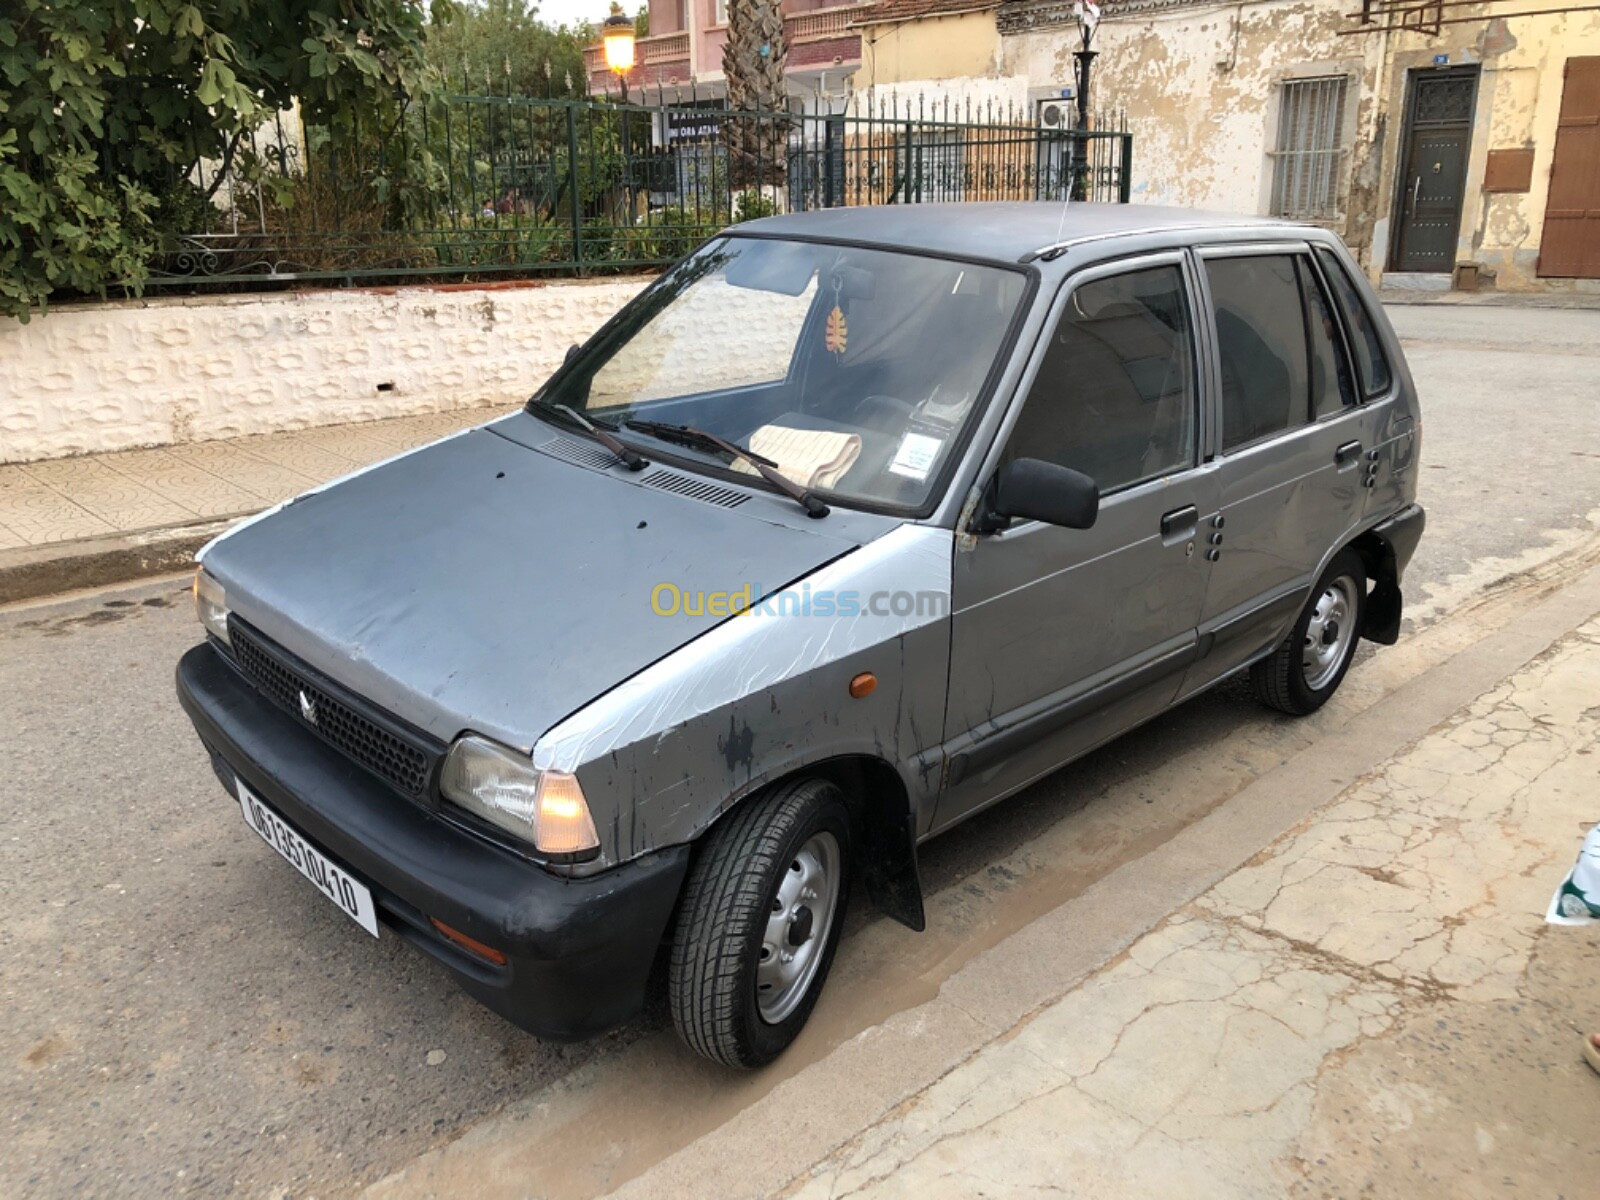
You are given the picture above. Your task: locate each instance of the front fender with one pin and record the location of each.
(668, 789)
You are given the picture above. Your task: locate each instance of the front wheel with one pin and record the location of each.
(1309, 664)
(759, 923)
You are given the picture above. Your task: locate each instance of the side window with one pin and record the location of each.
(1261, 335)
(1364, 344)
(1115, 396)
(1331, 388)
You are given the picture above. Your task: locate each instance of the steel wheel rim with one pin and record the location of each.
(1330, 633)
(801, 907)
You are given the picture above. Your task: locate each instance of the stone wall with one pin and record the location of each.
(98, 377)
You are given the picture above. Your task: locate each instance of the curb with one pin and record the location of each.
(36, 571)
(1547, 301)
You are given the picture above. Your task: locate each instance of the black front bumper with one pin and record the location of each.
(579, 951)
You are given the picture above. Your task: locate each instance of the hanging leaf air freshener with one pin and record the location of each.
(836, 334)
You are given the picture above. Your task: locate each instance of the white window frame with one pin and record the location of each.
(1311, 154)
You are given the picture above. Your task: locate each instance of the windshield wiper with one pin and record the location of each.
(690, 436)
(603, 432)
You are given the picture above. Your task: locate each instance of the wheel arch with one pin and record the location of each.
(883, 822)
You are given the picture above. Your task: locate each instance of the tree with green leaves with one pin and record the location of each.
(109, 107)
(753, 61)
(503, 47)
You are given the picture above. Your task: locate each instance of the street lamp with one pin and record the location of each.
(618, 36)
(1088, 14)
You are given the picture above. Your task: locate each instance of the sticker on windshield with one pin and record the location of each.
(915, 457)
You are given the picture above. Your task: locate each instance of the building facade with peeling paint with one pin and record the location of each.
(1449, 143)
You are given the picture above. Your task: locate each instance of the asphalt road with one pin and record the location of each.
(180, 1013)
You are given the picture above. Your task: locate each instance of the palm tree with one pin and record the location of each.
(753, 61)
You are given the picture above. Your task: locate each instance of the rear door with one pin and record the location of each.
(1389, 431)
(1291, 445)
(1062, 638)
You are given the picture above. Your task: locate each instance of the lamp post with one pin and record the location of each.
(618, 37)
(1088, 14)
(617, 34)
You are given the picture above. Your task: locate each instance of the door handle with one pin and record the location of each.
(1346, 453)
(1179, 520)
(1416, 190)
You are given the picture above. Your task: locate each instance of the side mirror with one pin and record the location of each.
(1033, 490)
(572, 353)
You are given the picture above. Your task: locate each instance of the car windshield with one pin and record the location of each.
(854, 371)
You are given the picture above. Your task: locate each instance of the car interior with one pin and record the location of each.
(919, 336)
(1114, 397)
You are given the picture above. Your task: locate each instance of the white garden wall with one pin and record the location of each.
(96, 377)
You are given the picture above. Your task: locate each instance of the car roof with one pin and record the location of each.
(1009, 232)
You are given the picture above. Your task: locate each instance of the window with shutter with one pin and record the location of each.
(1308, 170)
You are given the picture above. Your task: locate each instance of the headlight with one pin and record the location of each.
(546, 808)
(211, 606)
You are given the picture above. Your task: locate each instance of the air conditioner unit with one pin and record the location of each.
(1056, 114)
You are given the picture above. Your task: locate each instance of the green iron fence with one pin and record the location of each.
(476, 186)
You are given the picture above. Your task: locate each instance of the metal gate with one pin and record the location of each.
(1570, 246)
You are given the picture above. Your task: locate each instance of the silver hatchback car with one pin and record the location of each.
(850, 525)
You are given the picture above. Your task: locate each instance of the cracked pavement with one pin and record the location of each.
(1372, 1005)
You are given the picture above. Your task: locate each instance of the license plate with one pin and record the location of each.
(353, 899)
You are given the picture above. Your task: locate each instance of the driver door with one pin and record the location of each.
(1062, 638)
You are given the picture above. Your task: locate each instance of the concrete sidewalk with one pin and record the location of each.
(103, 518)
(1371, 1006)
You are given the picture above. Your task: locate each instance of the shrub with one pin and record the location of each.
(108, 108)
(671, 233)
(752, 205)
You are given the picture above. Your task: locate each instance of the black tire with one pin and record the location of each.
(717, 944)
(1281, 679)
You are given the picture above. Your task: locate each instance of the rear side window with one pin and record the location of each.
(1364, 343)
(1261, 334)
(1115, 396)
(1332, 389)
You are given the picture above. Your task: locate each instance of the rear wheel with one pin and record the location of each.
(1309, 664)
(759, 923)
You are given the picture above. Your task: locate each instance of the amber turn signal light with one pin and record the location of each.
(468, 943)
(863, 684)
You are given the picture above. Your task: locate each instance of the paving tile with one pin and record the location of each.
(300, 457)
(439, 425)
(121, 502)
(394, 436)
(345, 441)
(38, 514)
(11, 541)
(254, 473)
(198, 490)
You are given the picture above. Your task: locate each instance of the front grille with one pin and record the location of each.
(386, 752)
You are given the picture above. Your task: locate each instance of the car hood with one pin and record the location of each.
(483, 584)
